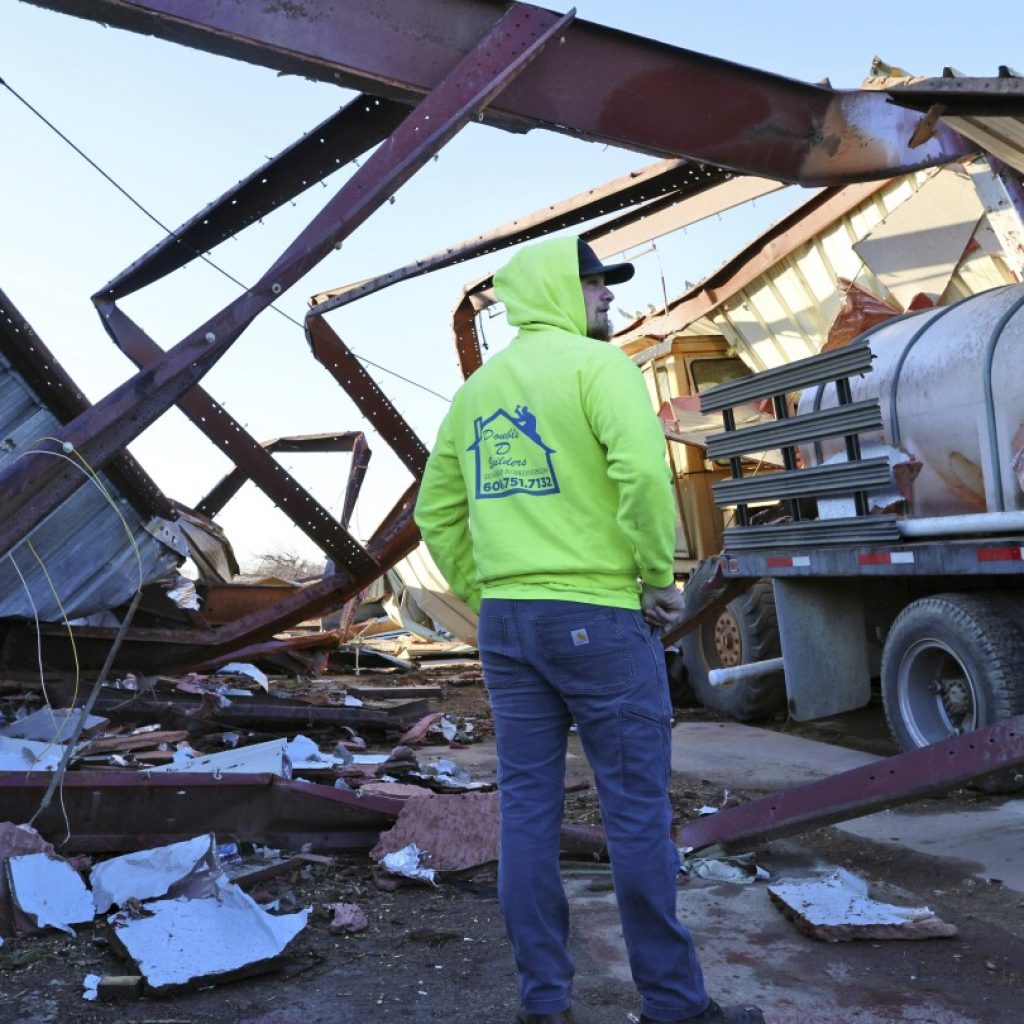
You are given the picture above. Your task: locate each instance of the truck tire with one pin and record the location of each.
(746, 630)
(953, 663)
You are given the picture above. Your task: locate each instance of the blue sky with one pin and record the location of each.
(177, 127)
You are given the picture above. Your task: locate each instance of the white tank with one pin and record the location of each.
(950, 382)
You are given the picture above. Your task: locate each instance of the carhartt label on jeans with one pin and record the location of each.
(579, 637)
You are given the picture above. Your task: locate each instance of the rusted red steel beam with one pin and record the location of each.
(225, 489)
(664, 182)
(337, 358)
(113, 811)
(251, 458)
(888, 782)
(599, 84)
(33, 487)
(354, 130)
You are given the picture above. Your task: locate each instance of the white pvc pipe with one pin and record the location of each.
(738, 673)
(957, 526)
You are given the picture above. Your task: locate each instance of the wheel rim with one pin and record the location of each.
(725, 642)
(938, 697)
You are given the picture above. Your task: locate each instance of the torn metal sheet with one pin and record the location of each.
(838, 909)
(185, 941)
(129, 810)
(410, 862)
(180, 869)
(128, 545)
(50, 890)
(917, 247)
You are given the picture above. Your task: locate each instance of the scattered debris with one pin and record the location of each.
(838, 909)
(90, 986)
(739, 868)
(348, 918)
(181, 869)
(408, 863)
(225, 936)
(238, 668)
(278, 757)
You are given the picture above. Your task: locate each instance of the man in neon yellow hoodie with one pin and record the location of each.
(547, 505)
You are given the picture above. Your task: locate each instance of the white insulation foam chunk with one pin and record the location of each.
(191, 940)
(50, 890)
(181, 869)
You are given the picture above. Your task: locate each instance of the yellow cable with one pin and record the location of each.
(67, 624)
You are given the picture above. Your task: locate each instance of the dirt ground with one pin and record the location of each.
(440, 954)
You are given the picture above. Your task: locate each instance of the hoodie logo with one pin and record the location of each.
(511, 457)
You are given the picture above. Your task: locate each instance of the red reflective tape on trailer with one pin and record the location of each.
(999, 554)
(886, 558)
(874, 558)
(794, 561)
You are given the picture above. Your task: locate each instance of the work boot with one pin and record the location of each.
(565, 1017)
(716, 1014)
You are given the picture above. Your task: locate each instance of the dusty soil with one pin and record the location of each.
(440, 954)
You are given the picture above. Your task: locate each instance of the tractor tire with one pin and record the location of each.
(953, 663)
(746, 630)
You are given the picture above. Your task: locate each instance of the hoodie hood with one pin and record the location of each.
(540, 287)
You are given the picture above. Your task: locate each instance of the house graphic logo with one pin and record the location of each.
(511, 457)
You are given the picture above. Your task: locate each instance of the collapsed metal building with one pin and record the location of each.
(423, 70)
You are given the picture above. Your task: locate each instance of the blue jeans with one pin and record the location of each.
(548, 664)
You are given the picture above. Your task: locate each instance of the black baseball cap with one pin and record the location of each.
(590, 265)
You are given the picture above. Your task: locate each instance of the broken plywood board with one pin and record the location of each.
(50, 890)
(455, 832)
(838, 909)
(202, 941)
(180, 869)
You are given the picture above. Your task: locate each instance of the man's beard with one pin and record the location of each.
(601, 331)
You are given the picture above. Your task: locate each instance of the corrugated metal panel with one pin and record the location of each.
(784, 314)
(80, 558)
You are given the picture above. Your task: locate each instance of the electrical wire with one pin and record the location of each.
(200, 255)
(39, 633)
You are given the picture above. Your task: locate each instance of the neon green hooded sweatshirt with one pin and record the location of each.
(548, 479)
